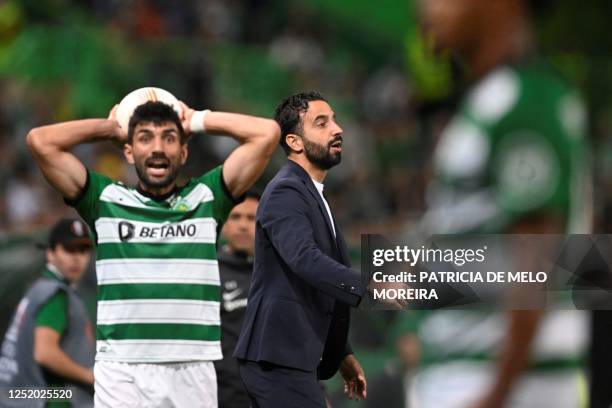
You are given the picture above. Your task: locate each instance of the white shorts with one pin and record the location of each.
(135, 385)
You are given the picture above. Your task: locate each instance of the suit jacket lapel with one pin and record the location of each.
(344, 255)
(315, 193)
(300, 172)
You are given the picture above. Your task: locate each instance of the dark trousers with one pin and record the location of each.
(273, 386)
(230, 389)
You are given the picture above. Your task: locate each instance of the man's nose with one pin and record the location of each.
(158, 144)
(336, 129)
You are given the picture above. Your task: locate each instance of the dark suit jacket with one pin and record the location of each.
(298, 310)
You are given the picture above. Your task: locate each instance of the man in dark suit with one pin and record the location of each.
(297, 319)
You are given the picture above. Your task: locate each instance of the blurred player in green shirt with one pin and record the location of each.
(513, 160)
(50, 341)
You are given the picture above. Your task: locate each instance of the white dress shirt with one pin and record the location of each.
(319, 187)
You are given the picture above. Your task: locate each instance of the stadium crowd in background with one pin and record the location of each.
(374, 190)
(246, 55)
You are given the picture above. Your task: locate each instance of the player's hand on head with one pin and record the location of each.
(112, 115)
(186, 114)
(118, 134)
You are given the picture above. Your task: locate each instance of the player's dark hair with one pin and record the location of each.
(156, 113)
(287, 114)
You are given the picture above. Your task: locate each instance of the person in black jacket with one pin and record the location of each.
(297, 318)
(235, 267)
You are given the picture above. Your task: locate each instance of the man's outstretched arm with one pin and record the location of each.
(51, 147)
(258, 138)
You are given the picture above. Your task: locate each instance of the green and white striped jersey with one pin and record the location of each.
(157, 271)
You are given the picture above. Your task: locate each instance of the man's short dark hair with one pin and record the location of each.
(156, 113)
(287, 114)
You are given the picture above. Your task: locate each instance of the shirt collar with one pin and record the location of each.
(319, 186)
(52, 272)
(158, 198)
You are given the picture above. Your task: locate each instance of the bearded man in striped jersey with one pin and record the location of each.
(158, 326)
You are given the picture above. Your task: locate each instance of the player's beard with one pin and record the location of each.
(158, 184)
(321, 155)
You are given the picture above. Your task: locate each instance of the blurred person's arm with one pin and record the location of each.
(51, 323)
(258, 138)
(48, 353)
(513, 357)
(51, 147)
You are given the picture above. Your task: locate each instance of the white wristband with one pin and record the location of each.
(196, 124)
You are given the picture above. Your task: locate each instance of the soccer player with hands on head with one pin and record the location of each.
(158, 324)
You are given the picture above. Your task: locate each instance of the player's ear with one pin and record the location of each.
(184, 153)
(295, 142)
(128, 153)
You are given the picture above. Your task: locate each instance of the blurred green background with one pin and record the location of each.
(61, 60)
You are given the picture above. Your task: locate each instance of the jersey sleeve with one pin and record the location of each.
(87, 203)
(54, 313)
(223, 200)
